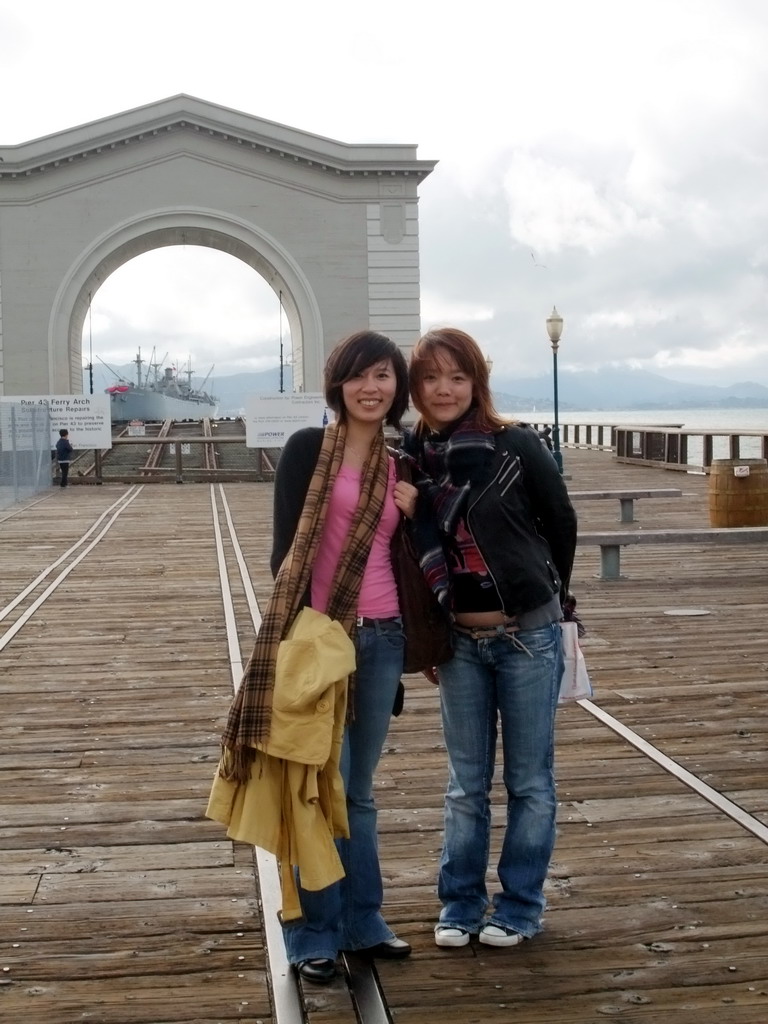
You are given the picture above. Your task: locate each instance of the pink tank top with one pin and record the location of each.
(378, 592)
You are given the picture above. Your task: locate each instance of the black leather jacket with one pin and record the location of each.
(521, 520)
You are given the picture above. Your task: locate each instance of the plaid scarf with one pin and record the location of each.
(250, 714)
(454, 460)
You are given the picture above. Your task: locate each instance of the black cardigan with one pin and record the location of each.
(292, 478)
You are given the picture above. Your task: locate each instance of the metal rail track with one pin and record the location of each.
(366, 994)
(155, 456)
(210, 457)
(23, 508)
(362, 979)
(108, 518)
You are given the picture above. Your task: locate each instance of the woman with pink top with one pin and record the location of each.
(356, 502)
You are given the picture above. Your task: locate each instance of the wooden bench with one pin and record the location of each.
(612, 542)
(627, 498)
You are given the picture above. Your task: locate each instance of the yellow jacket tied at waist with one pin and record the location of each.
(293, 805)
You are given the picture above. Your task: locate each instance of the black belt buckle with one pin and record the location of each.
(391, 623)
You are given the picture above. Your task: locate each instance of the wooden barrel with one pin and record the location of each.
(738, 492)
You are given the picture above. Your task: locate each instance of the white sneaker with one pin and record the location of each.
(495, 935)
(449, 936)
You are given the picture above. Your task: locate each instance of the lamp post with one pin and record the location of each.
(90, 344)
(554, 330)
(282, 383)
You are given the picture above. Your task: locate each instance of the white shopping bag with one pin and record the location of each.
(575, 683)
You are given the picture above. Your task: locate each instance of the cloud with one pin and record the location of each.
(738, 350)
(625, 146)
(552, 207)
(611, 319)
(188, 302)
(437, 310)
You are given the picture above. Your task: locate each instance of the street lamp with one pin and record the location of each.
(554, 330)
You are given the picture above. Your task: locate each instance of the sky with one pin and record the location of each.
(609, 157)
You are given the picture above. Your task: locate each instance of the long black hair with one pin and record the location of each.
(356, 354)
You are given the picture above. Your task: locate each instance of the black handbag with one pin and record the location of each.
(425, 624)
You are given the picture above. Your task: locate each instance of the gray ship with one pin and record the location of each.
(159, 396)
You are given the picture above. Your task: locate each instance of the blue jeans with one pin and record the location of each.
(514, 680)
(347, 915)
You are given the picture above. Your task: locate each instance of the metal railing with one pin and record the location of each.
(188, 465)
(666, 446)
(688, 450)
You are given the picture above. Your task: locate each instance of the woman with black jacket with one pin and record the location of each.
(497, 533)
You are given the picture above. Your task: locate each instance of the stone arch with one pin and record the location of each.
(210, 228)
(332, 226)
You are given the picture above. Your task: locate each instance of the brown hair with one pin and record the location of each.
(354, 355)
(428, 353)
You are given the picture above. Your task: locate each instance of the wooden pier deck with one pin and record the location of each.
(121, 904)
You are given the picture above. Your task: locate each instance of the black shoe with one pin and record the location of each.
(321, 972)
(392, 949)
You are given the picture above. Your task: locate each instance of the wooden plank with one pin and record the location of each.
(18, 889)
(212, 995)
(713, 535)
(654, 492)
(76, 860)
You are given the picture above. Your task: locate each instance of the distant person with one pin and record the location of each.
(546, 437)
(64, 451)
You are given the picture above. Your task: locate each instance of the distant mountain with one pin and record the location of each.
(232, 392)
(622, 389)
(608, 389)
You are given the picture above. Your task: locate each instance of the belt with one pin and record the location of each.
(487, 632)
(393, 622)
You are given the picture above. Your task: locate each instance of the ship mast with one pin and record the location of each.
(205, 379)
(138, 360)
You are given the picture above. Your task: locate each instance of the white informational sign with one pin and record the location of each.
(271, 419)
(86, 417)
(136, 428)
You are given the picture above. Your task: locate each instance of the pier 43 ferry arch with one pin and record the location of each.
(331, 227)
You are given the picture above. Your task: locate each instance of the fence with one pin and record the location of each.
(686, 450)
(666, 446)
(25, 452)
